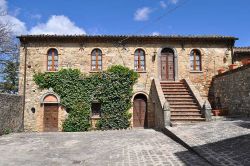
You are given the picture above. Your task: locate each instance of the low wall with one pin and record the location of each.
(231, 91)
(11, 113)
(160, 106)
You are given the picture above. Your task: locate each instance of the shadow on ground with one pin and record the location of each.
(233, 151)
(244, 124)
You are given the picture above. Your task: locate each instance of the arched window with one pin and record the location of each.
(96, 59)
(52, 64)
(195, 60)
(140, 60)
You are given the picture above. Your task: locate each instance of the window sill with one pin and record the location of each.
(95, 117)
(138, 71)
(51, 71)
(95, 71)
(196, 71)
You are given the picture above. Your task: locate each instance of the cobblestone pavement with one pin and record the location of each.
(224, 142)
(124, 147)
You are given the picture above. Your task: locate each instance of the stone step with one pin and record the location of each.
(173, 100)
(170, 82)
(178, 96)
(186, 114)
(184, 106)
(184, 110)
(187, 119)
(174, 88)
(174, 85)
(176, 93)
(183, 103)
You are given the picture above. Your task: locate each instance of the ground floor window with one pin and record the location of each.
(96, 109)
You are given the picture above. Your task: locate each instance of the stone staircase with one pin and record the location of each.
(183, 105)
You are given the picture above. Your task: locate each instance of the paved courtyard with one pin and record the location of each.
(124, 147)
(224, 142)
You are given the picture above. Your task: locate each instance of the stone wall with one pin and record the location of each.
(11, 113)
(161, 107)
(214, 55)
(231, 91)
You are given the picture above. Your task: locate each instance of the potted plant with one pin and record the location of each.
(232, 66)
(245, 61)
(216, 112)
(220, 71)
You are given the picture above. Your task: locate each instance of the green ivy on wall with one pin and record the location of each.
(112, 88)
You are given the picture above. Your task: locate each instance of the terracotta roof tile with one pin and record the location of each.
(132, 36)
(242, 49)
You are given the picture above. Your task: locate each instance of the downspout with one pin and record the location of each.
(24, 80)
(232, 51)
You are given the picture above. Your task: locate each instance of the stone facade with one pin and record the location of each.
(75, 52)
(241, 54)
(231, 91)
(11, 113)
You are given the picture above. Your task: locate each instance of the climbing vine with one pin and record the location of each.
(112, 88)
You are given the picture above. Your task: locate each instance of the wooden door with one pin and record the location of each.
(167, 67)
(139, 112)
(50, 117)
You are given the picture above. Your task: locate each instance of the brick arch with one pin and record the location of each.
(49, 48)
(140, 92)
(50, 97)
(144, 49)
(199, 49)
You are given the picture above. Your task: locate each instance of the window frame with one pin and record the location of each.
(96, 60)
(138, 66)
(96, 109)
(53, 54)
(195, 53)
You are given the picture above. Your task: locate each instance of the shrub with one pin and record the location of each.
(112, 88)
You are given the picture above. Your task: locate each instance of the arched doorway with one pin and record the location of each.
(167, 65)
(140, 111)
(50, 115)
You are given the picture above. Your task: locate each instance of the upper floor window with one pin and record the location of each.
(140, 60)
(96, 59)
(195, 60)
(52, 61)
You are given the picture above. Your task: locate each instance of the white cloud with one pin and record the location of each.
(36, 16)
(142, 14)
(15, 12)
(17, 26)
(163, 4)
(3, 6)
(155, 33)
(173, 1)
(57, 24)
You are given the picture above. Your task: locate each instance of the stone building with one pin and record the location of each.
(241, 55)
(175, 74)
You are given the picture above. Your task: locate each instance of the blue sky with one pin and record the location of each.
(115, 17)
